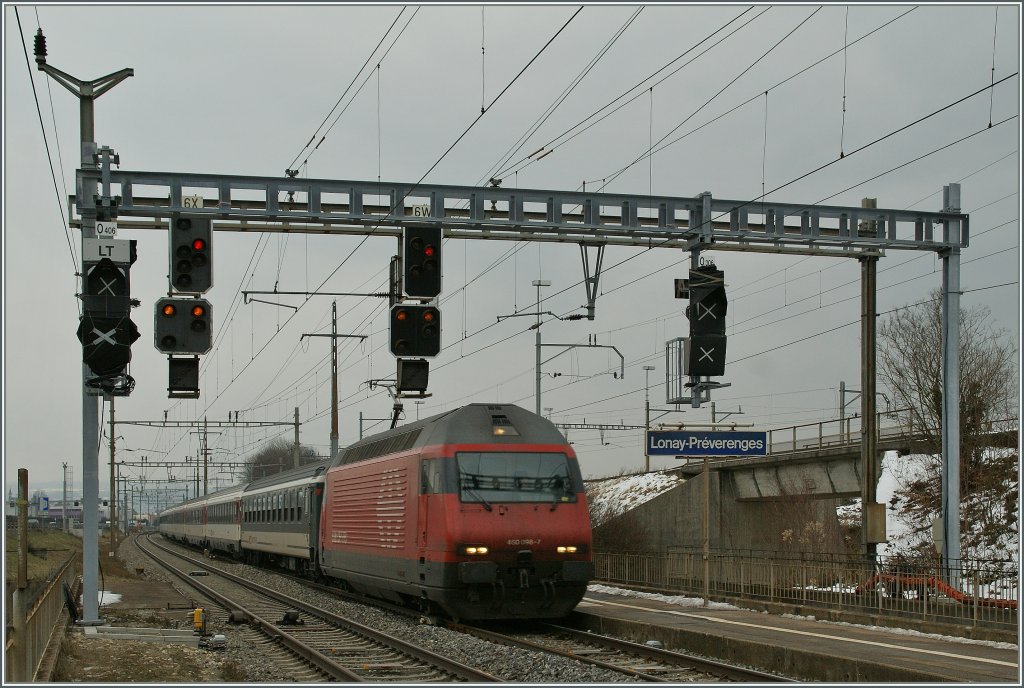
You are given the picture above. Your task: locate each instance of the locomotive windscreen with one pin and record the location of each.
(514, 477)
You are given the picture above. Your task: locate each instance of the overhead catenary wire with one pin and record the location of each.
(448, 150)
(46, 143)
(556, 142)
(808, 68)
(771, 88)
(675, 235)
(345, 92)
(615, 175)
(708, 37)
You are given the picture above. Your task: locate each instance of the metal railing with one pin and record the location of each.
(840, 432)
(830, 433)
(26, 645)
(968, 593)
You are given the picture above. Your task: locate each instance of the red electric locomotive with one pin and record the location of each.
(478, 513)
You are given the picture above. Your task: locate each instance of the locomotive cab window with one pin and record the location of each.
(431, 476)
(486, 477)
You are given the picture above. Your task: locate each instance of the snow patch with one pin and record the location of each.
(106, 597)
(909, 631)
(678, 600)
(615, 496)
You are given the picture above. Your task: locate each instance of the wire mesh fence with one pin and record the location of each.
(968, 592)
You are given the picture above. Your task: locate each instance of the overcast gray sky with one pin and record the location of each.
(241, 89)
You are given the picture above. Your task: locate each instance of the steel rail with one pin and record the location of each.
(321, 662)
(445, 664)
(669, 661)
(730, 671)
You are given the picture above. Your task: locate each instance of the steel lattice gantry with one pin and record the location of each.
(261, 204)
(592, 220)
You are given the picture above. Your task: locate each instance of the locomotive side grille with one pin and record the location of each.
(370, 510)
(387, 445)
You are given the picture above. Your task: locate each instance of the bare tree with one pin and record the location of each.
(274, 457)
(910, 346)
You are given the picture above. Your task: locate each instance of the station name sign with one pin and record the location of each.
(706, 443)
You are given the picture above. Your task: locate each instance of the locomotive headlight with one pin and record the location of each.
(474, 549)
(566, 549)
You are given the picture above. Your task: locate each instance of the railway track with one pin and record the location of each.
(642, 662)
(639, 661)
(336, 648)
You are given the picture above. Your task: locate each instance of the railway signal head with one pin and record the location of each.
(106, 342)
(183, 326)
(106, 289)
(413, 375)
(707, 309)
(422, 261)
(415, 330)
(191, 260)
(183, 377)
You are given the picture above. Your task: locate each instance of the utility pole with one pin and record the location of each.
(538, 284)
(872, 514)
(20, 666)
(295, 450)
(206, 458)
(111, 516)
(86, 92)
(64, 501)
(334, 372)
(647, 415)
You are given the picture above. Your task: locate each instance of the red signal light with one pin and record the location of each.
(198, 244)
(169, 310)
(198, 311)
(429, 251)
(428, 316)
(401, 316)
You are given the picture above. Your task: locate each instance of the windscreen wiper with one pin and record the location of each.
(487, 505)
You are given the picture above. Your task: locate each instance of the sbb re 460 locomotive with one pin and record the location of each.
(477, 513)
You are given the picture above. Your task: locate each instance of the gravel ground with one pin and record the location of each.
(510, 664)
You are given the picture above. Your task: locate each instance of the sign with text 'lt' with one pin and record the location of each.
(706, 443)
(117, 250)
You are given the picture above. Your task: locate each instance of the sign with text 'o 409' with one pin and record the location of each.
(706, 443)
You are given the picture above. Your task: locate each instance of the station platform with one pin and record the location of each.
(799, 648)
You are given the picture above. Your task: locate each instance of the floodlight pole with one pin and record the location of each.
(87, 92)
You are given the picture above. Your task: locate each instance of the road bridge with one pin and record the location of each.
(824, 459)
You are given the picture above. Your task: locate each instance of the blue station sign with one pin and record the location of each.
(706, 443)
